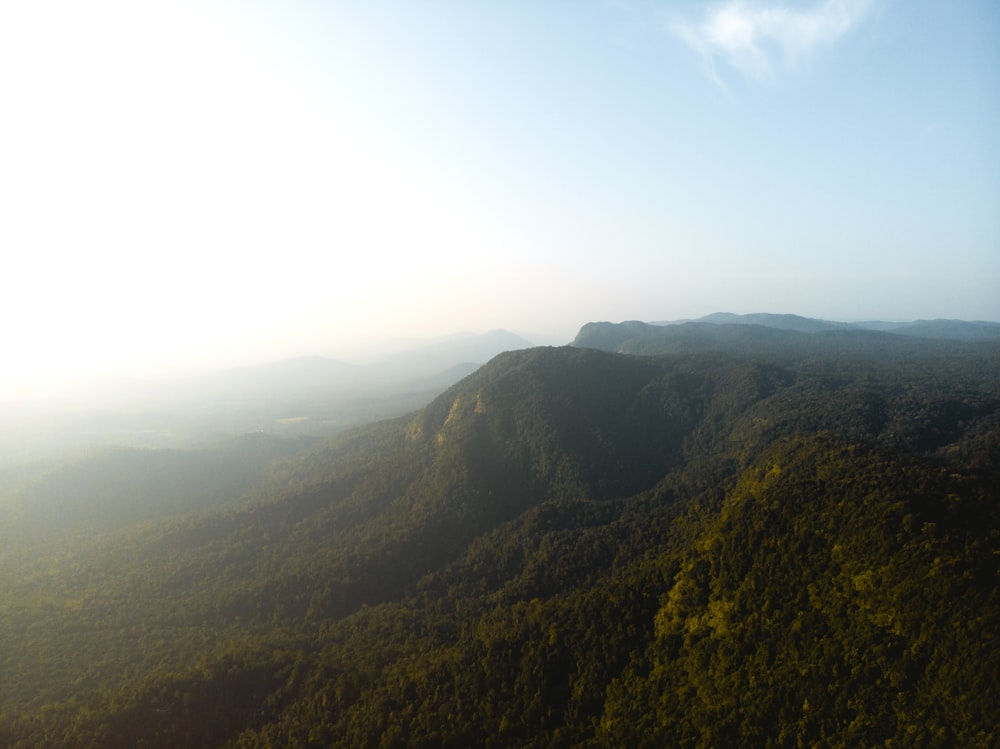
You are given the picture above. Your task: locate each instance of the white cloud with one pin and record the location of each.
(758, 39)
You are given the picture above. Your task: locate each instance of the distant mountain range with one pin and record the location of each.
(960, 330)
(748, 332)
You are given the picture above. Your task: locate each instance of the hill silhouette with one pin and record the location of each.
(957, 330)
(759, 537)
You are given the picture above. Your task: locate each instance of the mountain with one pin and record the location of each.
(759, 538)
(787, 336)
(959, 330)
(782, 322)
(951, 329)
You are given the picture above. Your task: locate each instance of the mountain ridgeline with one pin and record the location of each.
(742, 536)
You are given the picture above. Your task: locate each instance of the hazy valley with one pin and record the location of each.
(304, 396)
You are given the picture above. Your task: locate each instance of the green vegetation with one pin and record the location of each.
(781, 545)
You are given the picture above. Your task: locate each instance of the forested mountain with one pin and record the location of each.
(743, 536)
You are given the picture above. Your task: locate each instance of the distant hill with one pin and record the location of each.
(438, 355)
(765, 537)
(959, 330)
(648, 339)
(760, 333)
(950, 329)
(782, 322)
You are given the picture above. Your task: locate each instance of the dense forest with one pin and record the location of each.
(699, 536)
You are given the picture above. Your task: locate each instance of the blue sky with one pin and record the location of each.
(191, 184)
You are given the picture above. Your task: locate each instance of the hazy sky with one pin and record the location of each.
(192, 183)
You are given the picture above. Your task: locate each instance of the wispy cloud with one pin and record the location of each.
(759, 39)
(929, 129)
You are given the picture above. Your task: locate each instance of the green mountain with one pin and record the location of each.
(749, 537)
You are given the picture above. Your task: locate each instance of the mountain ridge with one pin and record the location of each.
(938, 328)
(795, 337)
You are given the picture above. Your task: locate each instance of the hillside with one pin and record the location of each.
(758, 537)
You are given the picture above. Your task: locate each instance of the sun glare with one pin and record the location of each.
(175, 191)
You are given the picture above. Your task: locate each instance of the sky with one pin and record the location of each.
(192, 184)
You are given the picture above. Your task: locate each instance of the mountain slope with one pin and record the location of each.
(567, 548)
(817, 607)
